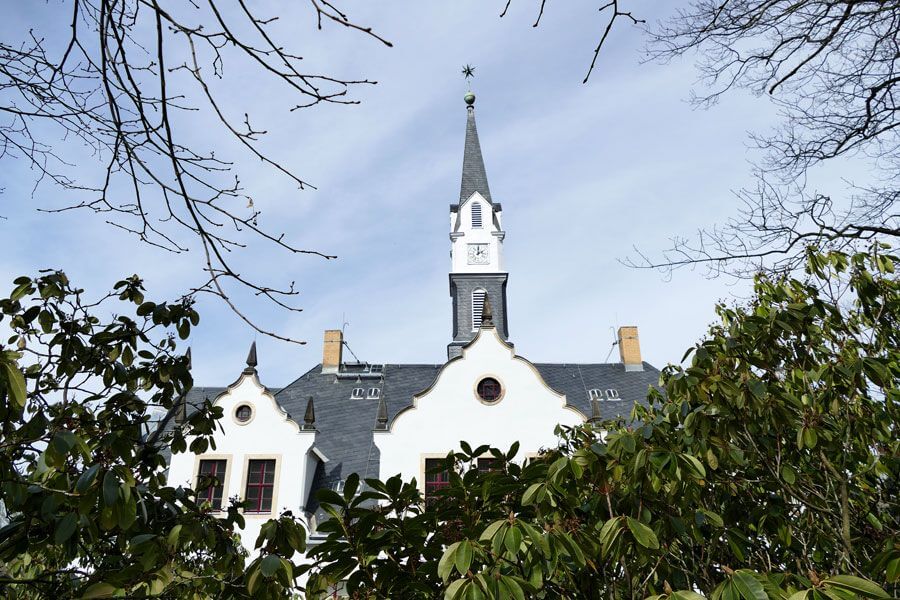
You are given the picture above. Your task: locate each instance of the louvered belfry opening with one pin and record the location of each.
(478, 297)
(476, 215)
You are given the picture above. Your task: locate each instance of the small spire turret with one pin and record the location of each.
(309, 418)
(595, 411)
(487, 313)
(381, 417)
(251, 360)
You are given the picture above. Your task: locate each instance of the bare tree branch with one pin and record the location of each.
(831, 66)
(114, 93)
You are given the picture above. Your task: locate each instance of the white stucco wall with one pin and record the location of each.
(486, 234)
(450, 411)
(268, 435)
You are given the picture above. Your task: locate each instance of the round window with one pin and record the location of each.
(243, 413)
(489, 389)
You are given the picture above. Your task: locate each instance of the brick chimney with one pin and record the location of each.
(630, 348)
(332, 350)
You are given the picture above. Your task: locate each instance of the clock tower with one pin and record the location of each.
(476, 247)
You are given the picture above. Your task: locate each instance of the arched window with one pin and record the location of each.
(476, 215)
(477, 306)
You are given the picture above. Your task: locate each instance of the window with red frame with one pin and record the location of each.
(436, 478)
(213, 473)
(489, 389)
(260, 485)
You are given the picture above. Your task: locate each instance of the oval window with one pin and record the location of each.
(489, 389)
(243, 413)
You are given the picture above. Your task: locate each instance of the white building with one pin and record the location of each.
(277, 448)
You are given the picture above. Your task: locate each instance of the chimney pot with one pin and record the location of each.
(630, 348)
(332, 350)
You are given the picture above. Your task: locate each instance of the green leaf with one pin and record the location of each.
(65, 528)
(110, 488)
(748, 586)
(513, 539)
(453, 589)
(512, 588)
(810, 437)
(686, 595)
(328, 496)
(711, 459)
(62, 442)
(445, 566)
(857, 585)
(643, 534)
(15, 385)
(463, 557)
(270, 564)
(529, 497)
(253, 580)
(491, 530)
(873, 520)
(713, 518)
(45, 319)
(787, 473)
(350, 486)
(87, 478)
(173, 536)
(100, 590)
(694, 465)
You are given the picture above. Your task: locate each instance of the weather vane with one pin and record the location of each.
(468, 72)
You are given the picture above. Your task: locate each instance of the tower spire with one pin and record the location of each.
(474, 177)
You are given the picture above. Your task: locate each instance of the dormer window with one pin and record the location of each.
(357, 394)
(374, 393)
(612, 394)
(595, 394)
(476, 215)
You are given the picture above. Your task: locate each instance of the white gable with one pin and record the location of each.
(450, 410)
(268, 434)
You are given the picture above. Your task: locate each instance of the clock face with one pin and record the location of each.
(478, 254)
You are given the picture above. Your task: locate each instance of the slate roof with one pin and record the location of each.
(576, 381)
(345, 424)
(200, 393)
(474, 177)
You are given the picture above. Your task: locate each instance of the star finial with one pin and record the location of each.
(468, 72)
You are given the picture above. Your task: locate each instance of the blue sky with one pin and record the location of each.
(584, 172)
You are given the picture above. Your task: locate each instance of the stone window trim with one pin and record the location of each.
(239, 405)
(225, 479)
(275, 485)
(423, 460)
(434, 482)
(481, 378)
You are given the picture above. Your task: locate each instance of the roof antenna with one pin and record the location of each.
(344, 324)
(614, 344)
